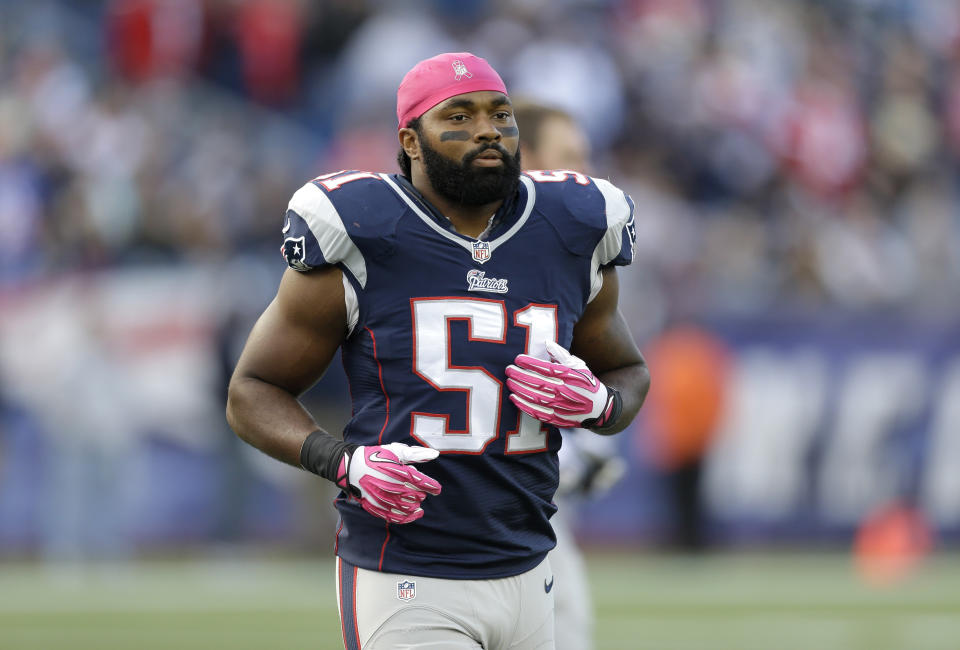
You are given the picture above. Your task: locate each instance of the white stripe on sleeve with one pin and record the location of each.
(315, 208)
(619, 214)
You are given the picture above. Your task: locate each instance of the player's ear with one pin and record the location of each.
(409, 142)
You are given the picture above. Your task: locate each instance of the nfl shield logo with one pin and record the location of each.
(406, 590)
(481, 251)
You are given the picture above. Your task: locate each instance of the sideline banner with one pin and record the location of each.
(826, 419)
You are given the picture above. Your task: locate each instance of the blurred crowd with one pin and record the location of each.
(785, 156)
(793, 153)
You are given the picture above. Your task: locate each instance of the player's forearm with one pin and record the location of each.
(632, 382)
(268, 418)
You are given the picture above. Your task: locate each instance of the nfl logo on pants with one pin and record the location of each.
(406, 590)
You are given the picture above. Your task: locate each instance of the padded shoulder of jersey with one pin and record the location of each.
(582, 209)
(366, 204)
(343, 218)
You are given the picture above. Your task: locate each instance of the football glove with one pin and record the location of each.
(380, 479)
(563, 391)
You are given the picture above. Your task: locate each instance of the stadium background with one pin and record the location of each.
(794, 166)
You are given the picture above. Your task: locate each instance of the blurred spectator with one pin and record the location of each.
(564, 72)
(150, 39)
(268, 34)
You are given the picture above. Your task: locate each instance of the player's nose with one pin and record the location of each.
(486, 131)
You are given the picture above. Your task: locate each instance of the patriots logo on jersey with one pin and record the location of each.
(294, 250)
(406, 590)
(478, 281)
(481, 251)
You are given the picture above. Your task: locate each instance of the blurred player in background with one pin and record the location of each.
(682, 418)
(454, 291)
(550, 138)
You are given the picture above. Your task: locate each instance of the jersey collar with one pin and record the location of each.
(514, 209)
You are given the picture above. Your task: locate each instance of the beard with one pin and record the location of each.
(468, 185)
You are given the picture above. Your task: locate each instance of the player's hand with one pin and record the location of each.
(561, 391)
(379, 477)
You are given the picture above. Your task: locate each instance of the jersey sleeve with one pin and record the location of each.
(617, 244)
(315, 237)
(592, 216)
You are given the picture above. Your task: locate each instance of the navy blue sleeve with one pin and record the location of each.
(617, 245)
(315, 235)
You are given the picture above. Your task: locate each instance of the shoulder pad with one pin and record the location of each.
(590, 214)
(341, 218)
(619, 240)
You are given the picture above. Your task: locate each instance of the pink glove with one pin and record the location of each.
(563, 392)
(385, 486)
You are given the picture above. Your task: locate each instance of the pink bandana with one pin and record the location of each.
(439, 78)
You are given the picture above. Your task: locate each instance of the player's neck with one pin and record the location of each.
(469, 220)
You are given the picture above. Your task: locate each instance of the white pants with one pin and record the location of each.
(573, 607)
(389, 611)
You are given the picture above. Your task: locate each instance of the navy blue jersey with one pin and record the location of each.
(435, 318)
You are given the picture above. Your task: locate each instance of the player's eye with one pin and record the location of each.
(459, 117)
(502, 115)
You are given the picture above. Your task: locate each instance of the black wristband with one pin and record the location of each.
(615, 410)
(321, 454)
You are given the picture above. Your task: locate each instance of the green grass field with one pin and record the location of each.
(644, 601)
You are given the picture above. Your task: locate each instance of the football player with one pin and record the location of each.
(475, 309)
